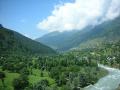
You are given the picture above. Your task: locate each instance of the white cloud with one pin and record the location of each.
(114, 10)
(79, 14)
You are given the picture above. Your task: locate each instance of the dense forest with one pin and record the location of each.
(71, 70)
(12, 42)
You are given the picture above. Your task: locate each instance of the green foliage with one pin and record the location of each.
(8, 80)
(2, 77)
(12, 43)
(67, 71)
(41, 85)
(20, 83)
(58, 71)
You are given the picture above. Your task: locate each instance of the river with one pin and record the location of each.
(109, 82)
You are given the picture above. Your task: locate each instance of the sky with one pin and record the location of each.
(24, 15)
(34, 18)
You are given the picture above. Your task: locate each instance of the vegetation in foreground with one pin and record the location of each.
(69, 71)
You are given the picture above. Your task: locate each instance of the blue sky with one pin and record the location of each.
(34, 18)
(23, 15)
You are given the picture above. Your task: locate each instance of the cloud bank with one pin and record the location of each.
(79, 14)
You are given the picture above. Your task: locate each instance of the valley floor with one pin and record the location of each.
(35, 77)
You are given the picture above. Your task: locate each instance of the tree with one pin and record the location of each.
(2, 76)
(21, 82)
(25, 71)
(41, 85)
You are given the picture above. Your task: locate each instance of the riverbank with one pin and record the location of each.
(114, 65)
(109, 82)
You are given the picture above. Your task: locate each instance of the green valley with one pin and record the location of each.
(29, 65)
(68, 71)
(60, 45)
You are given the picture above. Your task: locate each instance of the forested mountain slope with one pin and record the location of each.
(12, 42)
(108, 31)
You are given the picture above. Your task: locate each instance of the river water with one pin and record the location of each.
(109, 82)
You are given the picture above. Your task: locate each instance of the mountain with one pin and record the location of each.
(89, 37)
(55, 39)
(12, 42)
(106, 32)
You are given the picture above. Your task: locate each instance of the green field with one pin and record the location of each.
(33, 79)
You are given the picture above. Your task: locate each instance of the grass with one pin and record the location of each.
(34, 78)
(8, 80)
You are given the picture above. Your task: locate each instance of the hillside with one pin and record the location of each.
(12, 42)
(54, 39)
(88, 37)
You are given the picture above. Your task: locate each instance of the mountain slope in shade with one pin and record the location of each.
(12, 42)
(107, 32)
(88, 37)
(57, 40)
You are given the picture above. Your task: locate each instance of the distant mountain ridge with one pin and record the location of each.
(12, 42)
(55, 39)
(108, 31)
